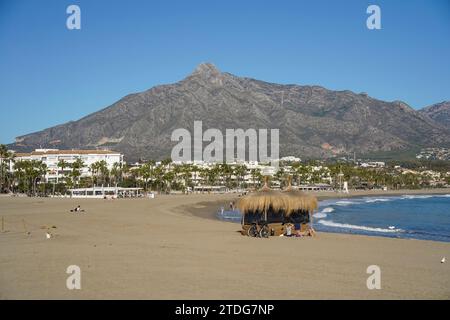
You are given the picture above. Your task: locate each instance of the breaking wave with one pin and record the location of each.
(330, 223)
(416, 196)
(323, 213)
(378, 200)
(344, 203)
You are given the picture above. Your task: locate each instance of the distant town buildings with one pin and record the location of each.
(372, 164)
(100, 169)
(290, 159)
(434, 154)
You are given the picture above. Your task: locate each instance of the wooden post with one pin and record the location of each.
(25, 226)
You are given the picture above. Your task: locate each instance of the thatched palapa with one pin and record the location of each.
(288, 201)
(298, 200)
(262, 201)
(278, 209)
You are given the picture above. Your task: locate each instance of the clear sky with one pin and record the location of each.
(50, 75)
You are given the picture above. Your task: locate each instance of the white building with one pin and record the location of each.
(51, 157)
(290, 159)
(373, 164)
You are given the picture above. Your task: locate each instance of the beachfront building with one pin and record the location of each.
(210, 189)
(315, 187)
(51, 158)
(106, 192)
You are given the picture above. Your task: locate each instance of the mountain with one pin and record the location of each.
(439, 112)
(313, 121)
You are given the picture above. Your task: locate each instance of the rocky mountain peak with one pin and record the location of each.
(207, 71)
(206, 68)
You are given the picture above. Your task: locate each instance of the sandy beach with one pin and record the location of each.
(164, 248)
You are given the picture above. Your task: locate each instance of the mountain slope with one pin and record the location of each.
(439, 112)
(313, 121)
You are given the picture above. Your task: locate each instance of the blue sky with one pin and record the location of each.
(50, 75)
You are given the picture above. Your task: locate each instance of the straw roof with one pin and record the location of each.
(298, 200)
(289, 201)
(262, 201)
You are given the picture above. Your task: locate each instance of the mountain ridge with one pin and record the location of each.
(313, 121)
(439, 112)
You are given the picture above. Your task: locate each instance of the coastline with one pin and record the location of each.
(208, 209)
(157, 249)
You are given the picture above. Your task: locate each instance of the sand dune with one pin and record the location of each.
(157, 249)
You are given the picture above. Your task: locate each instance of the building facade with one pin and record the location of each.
(51, 158)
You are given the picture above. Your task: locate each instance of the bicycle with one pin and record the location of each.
(259, 229)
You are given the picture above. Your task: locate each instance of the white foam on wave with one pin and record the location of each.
(344, 203)
(377, 200)
(330, 223)
(323, 213)
(407, 196)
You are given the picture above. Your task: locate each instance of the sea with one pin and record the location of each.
(425, 217)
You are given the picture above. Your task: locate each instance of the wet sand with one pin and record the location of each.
(158, 249)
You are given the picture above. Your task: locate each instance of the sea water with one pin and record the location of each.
(406, 216)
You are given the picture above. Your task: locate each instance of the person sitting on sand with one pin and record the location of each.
(77, 209)
(310, 232)
(289, 230)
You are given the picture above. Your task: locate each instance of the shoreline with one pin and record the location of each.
(208, 209)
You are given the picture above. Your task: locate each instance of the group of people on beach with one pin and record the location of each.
(295, 231)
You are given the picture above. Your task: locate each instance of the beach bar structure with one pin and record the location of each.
(210, 189)
(315, 187)
(277, 208)
(105, 192)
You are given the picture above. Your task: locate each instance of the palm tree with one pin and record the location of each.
(158, 173)
(40, 172)
(104, 172)
(303, 172)
(61, 164)
(240, 171)
(280, 175)
(186, 174)
(93, 168)
(146, 173)
(99, 168)
(256, 176)
(116, 172)
(6, 157)
(125, 171)
(167, 179)
(225, 173)
(76, 166)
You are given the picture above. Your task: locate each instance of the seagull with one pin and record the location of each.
(443, 260)
(48, 235)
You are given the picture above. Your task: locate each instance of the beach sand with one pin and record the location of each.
(159, 249)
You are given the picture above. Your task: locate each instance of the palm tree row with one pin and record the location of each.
(29, 175)
(166, 177)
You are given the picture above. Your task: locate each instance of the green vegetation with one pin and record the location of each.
(29, 176)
